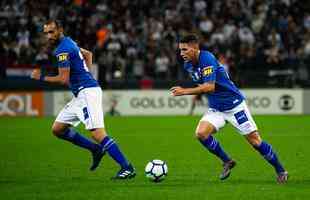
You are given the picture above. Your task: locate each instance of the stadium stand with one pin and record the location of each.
(261, 42)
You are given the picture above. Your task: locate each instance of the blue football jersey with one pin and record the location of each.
(226, 95)
(68, 54)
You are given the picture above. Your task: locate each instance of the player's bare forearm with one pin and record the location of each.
(88, 56)
(62, 77)
(56, 79)
(193, 91)
(179, 91)
(203, 88)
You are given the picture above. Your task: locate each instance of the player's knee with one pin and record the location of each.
(254, 143)
(204, 130)
(202, 134)
(98, 134)
(254, 139)
(57, 130)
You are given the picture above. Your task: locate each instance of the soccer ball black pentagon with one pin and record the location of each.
(156, 170)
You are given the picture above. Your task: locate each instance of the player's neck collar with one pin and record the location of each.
(61, 37)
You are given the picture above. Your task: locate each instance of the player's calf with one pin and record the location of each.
(77, 139)
(110, 146)
(97, 155)
(215, 148)
(269, 154)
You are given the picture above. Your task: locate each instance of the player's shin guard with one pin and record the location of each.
(111, 147)
(214, 147)
(266, 151)
(77, 139)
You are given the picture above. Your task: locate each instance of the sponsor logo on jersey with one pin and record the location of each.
(207, 70)
(62, 57)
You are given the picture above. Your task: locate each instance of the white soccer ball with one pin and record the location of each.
(156, 170)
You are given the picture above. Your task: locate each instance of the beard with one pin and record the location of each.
(185, 58)
(52, 43)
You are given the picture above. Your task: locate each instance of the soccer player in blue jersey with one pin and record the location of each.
(226, 103)
(86, 105)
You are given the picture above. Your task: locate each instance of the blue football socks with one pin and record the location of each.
(214, 147)
(265, 150)
(79, 140)
(111, 147)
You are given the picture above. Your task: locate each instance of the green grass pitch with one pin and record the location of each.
(36, 165)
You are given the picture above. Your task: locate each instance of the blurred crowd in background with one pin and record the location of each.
(137, 39)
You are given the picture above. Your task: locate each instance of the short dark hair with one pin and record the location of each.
(57, 23)
(190, 38)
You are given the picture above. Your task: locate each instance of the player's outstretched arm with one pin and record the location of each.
(88, 56)
(203, 88)
(62, 77)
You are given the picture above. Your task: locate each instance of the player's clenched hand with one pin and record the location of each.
(177, 91)
(36, 73)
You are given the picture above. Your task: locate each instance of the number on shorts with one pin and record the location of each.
(85, 112)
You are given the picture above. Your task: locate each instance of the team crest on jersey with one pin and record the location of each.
(62, 57)
(207, 71)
